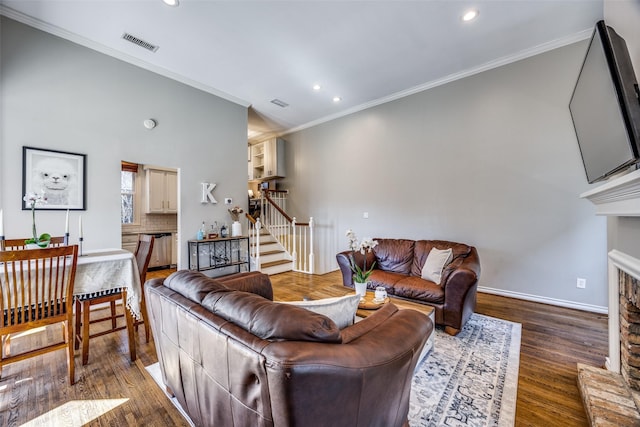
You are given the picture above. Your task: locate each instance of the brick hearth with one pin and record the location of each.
(610, 398)
(607, 398)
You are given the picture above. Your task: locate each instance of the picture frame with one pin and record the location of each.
(60, 175)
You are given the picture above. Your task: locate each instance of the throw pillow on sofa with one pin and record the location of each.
(342, 310)
(436, 261)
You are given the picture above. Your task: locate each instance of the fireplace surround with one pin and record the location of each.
(617, 197)
(614, 394)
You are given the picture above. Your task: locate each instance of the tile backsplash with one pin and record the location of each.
(154, 223)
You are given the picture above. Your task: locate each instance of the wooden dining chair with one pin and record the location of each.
(16, 244)
(114, 299)
(36, 290)
(143, 256)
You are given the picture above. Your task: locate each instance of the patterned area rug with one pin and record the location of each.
(470, 379)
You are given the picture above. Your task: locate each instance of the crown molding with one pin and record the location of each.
(536, 50)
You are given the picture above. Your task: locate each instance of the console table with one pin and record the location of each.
(211, 254)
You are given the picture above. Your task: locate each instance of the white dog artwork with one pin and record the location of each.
(58, 178)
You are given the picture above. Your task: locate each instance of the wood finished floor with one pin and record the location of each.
(554, 339)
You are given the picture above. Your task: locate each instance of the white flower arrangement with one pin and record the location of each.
(33, 200)
(360, 275)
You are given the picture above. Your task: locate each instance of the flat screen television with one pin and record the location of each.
(605, 107)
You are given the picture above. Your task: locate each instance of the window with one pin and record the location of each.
(128, 206)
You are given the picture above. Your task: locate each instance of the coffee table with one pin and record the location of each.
(363, 311)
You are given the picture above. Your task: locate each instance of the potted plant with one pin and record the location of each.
(43, 240)
(360, 274)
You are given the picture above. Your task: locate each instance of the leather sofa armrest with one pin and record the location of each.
(254, 282)
(345, 265)
(465, 274)
(345, 268)
(459, 291)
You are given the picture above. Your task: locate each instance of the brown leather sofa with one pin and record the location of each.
(236, 358)
(398, 267)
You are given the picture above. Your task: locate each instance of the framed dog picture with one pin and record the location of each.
(59, 175)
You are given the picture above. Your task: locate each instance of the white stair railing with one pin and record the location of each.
(295, 237)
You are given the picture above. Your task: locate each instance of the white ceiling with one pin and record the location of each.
(366, 52)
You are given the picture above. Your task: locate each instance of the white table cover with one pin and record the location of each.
(104, 270)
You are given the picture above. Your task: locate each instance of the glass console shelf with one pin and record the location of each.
(210, 254)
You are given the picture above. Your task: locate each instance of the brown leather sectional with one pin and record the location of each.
(398, 268)
(235, 358)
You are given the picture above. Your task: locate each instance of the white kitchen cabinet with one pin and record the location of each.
(161, 191)
(274, 158)
(267, 160)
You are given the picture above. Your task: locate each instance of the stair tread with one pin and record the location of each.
(271, 252)
(272, 263)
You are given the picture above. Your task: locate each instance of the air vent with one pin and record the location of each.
(279, 103)
(135, 40)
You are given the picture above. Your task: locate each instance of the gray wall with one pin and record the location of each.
(624, 16)
(490, 160)
(59, 95)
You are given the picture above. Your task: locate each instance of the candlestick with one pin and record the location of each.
(66, 239)
(80, 227)
(80, 246)
(66, 224)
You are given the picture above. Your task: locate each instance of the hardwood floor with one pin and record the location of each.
(120, 393)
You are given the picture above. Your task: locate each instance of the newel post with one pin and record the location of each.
(257, 228)
(311, 245)
(294, 253)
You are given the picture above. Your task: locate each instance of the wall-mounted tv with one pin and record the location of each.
(605, 107)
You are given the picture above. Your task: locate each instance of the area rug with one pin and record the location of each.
(467, 380)
(470, 379)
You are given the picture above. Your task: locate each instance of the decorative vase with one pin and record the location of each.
(361, 288)
(236, 229)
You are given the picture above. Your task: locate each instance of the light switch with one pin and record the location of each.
(365, 215)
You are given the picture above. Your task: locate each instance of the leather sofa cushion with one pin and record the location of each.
(269, 320)
(419, 289)
(394, 255)
(192, 284)
(423, 247)
(385, 279)
(253, 312)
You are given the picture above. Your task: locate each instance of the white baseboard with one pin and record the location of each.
(545, 300)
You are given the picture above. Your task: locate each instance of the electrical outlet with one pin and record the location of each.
(228, 201)
(581, 283)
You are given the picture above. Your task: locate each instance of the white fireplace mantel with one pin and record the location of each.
(618, 196)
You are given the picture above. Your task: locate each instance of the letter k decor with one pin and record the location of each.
(207, 193)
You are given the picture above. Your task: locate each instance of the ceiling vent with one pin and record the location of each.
(135, 40)
(279, 103)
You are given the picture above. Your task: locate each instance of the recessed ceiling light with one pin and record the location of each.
(337, 99)
(171, 2)
(470, 15)
(317, 87)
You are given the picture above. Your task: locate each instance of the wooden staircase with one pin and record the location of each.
(273, 258)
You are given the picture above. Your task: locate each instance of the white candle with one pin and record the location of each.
(1, 223)
(80, 225)
(66, 223)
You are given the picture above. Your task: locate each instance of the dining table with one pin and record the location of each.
(104, 271)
